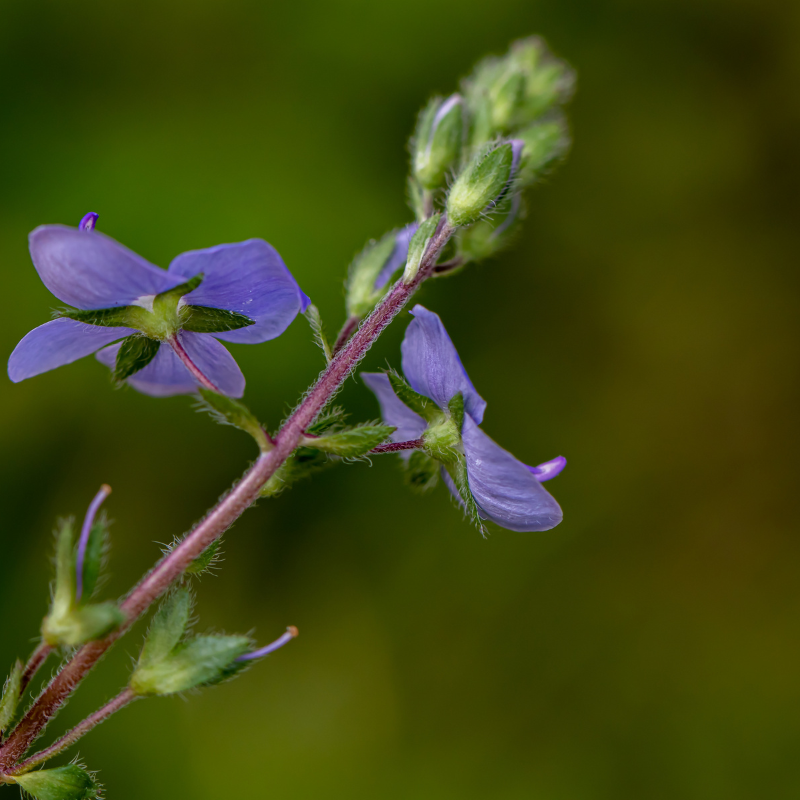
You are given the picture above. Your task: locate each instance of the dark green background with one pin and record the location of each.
(645, 326)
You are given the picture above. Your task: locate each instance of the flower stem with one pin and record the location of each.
(197, 373)
(395, 447)
(226, 512)
(345, 333)
(38, 658)
(125, 697)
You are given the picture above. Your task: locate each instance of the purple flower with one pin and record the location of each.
(169, 322)
(505, 490)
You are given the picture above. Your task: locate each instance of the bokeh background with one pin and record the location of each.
(645, 326)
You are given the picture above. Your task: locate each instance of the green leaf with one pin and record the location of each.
(206, 560)
(421, 471)
(202, 661)
(63, 783)
(321, 340)
(135, 354)
(96, 550)
(10, 697)
(418, 403)
(331, 419)
(418, 246)
(351, 443)
(167, 628)
(458, 472)
(203, 319)
(228, 411)
(105, 317)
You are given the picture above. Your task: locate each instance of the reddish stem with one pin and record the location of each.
(225, 513)
(38, 658)
(197, 373)
(345, 333)
(395, 447)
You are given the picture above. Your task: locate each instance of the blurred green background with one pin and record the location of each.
(645, 326)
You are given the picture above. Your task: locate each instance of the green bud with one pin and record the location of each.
(10, 697)
(363, 272)
(545, 143)
(168, 665)
(421, 471)
(418, 246)
(228, 411)
(443, 441)
(202, 661)
(483, 182)
(63, 783)
(318, 329)
(350, 443)
(437, 141)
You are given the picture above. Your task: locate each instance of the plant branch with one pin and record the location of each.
(395, 447)
(227, 511)
(38, 658)
(125, 697)
(345, 333)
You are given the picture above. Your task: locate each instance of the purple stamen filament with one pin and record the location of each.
(83, 541)
(290, 634)
(175, 344)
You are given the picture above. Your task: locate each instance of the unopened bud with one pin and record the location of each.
(419, 245)
(438, 140)
(483, 182)
(545, 143)
(63, 783)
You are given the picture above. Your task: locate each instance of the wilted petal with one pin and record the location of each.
(56, 343)
(88, 270)
(432, 366)
(393, 411)
(166, 375)
(548, 470)
(504, 489)
(249, 278)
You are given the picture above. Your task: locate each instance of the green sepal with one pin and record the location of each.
(418, 403)
(201, 661)
(361, 294)
(95, 556)
(204, 319)
(458, 473)
(12, 691)
(443, 441)
(318, 329)
(456, 409)
(302, 463)
(135, 354)
(351, 443)
(421, 471)
(81, 624)
(62, 783)
(481, 184)
(104, 317)
(228, 411)
(418, 245)
(437, 145)
(167, 627)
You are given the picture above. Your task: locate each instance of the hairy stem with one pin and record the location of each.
(394, 447)
(38, 658)
(125, 697)
(197, 373)
(345, 333)
(226, 512)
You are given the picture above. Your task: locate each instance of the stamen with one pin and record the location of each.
(88, 222)
(290, 634)
(548, 470)
(94, 506)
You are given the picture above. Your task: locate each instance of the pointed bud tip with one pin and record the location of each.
(88, 222)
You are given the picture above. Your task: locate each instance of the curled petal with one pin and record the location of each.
(56, 343)
(432, 366)
(166, 375)
(249, 278)
(394, 412)
(548, 470)
(93, 271)
(504, 489)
